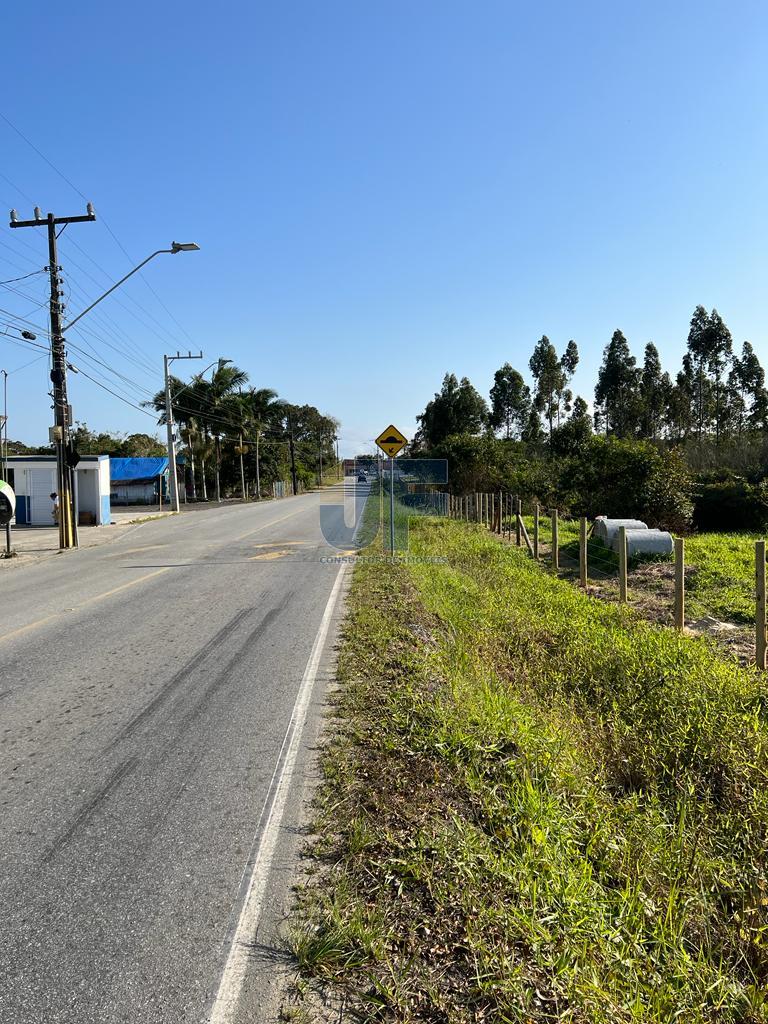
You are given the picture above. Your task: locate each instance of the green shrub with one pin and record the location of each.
(628, 479)
(731, 504)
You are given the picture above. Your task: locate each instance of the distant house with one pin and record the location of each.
(138, 481)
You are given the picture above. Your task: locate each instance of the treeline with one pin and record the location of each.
(670, 449)
(238, 439)
(234, 439)
(717, 394)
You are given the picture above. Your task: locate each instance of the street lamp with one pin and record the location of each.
(175, 247)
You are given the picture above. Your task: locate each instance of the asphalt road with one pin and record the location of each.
(145, 692)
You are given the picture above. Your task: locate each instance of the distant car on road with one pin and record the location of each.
(362, 478)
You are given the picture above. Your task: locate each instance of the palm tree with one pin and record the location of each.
(263, 408)
(225, 381)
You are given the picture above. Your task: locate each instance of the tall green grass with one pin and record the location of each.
(539, 808)
(723, 580)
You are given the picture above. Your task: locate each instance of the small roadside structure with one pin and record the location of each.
(33, 478)
(140, 481)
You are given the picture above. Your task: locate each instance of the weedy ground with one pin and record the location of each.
(536, 806)
(720, 575)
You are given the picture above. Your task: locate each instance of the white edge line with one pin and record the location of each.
(265, 841)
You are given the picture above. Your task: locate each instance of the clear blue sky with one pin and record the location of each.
(384, 192)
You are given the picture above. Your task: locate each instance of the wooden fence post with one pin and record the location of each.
(555, 541)
(536, 530)
(679, 583)
(622, 564)
(518, 513)
(500, 523)
(760, 608)
(583, 551)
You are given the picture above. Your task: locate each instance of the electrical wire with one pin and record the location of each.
(24, 366)
(83, 196)
(22, 343)
(116, 299)
(122, 398)
(11, 280)
(14, 316)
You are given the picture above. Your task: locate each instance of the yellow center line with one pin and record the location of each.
(133, 583)
(265, 526)
(83, 604)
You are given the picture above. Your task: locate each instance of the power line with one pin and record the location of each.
(11, 280)
(43, 330)
(42, 157)
(114, 393)
(103, 219)
(22, 343)
(24, 366)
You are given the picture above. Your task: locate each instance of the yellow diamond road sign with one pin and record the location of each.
(391, 441)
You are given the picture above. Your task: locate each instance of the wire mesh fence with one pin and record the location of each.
(656, 586)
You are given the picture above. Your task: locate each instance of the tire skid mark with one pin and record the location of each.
(225, 670)
(179, 677)
(118, 775)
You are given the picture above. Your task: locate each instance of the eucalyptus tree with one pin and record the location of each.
(710, 348)
(654, 392)
(552, 374)
(510, 401)
(456, 409)
(748, 400)
(616, 392)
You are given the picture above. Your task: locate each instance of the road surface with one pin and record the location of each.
(152, 763)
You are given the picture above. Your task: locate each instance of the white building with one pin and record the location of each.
(33, 478)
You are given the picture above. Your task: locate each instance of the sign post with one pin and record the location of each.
(391, 441)
(7, 512)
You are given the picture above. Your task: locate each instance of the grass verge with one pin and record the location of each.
(536, 806)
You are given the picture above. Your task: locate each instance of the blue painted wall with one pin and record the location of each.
(21, 510)
(105, 510)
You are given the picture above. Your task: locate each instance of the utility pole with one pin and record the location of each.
(172, 473)
(62, 410)
(4, 427)
(320, 451)
(338, 464)
(294, 480)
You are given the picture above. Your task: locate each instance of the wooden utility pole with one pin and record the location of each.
(536, 530)
(62, 412)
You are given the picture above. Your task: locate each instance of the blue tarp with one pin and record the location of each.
(125, 471)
